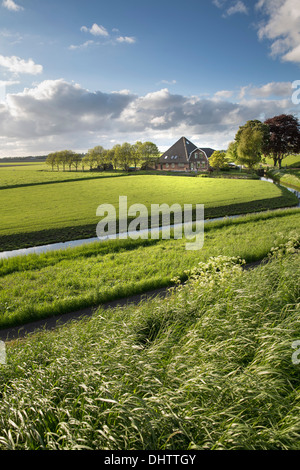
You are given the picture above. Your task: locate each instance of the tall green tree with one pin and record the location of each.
(149, 153)
(112, 156)
(218, 160)
(251, 141)
(51, 160)
(124, 155)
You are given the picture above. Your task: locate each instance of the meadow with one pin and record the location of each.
(208, 368)
(31, 174)
(289, 178)
(291, 161)
(40, 286)
(48, 213)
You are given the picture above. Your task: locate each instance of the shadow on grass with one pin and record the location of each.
(66, 234)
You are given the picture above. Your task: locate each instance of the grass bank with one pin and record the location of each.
(208, 368)
(40, 286)
(286, 177)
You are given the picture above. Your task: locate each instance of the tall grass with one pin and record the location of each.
(286, 177)
(56, 283)
(210, 367)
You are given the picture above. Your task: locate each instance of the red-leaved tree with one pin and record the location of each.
(284, 137)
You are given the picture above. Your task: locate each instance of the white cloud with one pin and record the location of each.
(223, 94)
(83, 46)
(56, 113)
(280, 89)
(282, 27)
(17, 65)
(169, 82)
(11, 5)
(219, 3)
(128, 40)
(238, 7)
(95, 30)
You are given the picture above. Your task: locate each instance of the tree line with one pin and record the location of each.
(121, 156)
(255, 141)
(274, 138)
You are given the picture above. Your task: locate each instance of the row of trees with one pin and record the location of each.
(274, 138)
(123, 156)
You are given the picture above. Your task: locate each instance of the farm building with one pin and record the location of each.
(185, 156)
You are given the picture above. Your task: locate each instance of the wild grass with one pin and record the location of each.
(291, 161)
(210, 367)
(40, 286)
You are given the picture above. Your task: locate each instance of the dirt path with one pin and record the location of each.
(50, 323)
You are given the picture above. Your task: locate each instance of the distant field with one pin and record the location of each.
(292, 161)
(66, 211)
(25, 174)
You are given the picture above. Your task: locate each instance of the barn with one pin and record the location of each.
(185, 156)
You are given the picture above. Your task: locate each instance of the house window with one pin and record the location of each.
(167, 165)
(173, 165)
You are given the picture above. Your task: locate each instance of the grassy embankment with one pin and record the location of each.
(42, 214)
(286, 177)
(39, 286)
(30, 174)
(210, 367)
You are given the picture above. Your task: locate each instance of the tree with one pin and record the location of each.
(136, 153)
(218, 160)
(232, 152)
(124, 155)
(76, 160)
(51, 160)
(251, 141)
(284, 137)
(112, 156)
(89, 160)
(97, 156)
(149, 154)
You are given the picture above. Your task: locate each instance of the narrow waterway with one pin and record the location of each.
(75, 243)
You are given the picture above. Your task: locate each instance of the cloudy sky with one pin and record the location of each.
(80, 73)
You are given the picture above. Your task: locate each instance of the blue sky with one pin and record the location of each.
(80, 73)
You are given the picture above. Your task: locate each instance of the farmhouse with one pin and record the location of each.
(185, 156)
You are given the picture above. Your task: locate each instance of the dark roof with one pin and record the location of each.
(208, 151)
(181, 150)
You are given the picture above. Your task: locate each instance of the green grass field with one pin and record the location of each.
(208, 368)
(289, 178)
(28, 174)
(291, 161)
(49, 213)
(39, 286)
